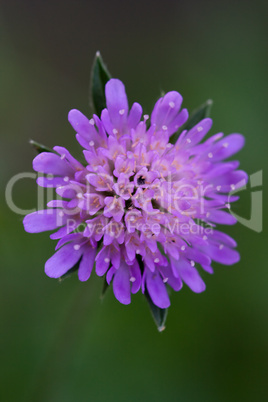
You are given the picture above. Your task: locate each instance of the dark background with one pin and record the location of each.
(59, 341)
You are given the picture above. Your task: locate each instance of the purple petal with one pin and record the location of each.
(198, 132)
(50, 182)
(222, 254)
(43, 220)
(117, 103)
(190, 276)
(50, 163)
(157, 289)
(86, 264)
(135, 278)
(121, 284)
(227, 146)
(80, 123)
(134, 115)
(63, 260)
(102, 261)
(221, 217)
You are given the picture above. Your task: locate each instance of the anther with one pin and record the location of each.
(76, 246)
(172, 104)
(199, 128)
(66, 178)
(92, 122)
(91, 143)
(106, 260)
(121, 112)
(156, 260)
(164, 128)
(210, 155)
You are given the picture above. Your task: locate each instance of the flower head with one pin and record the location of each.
(140, 208)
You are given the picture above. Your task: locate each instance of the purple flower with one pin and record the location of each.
(141, 209)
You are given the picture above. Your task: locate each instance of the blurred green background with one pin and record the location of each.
(59, 341)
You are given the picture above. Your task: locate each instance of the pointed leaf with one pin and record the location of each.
(99, 77)
(198, 114)
(40, 147)
(159, 314)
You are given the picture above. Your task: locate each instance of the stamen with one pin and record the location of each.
(165, 280)
(66, 178)
(172, 104)
(232, 186)
(156, 260)
(146, 117)
(79, 195)
(115, 131)
(164, 128)
(132, 279)
(76, 246)
(106, 260)
(183, 248)
(92, 122)
(199, 128)
(221, 246)
(210, 155)
(91, 143)
(189, 140)
(192, 263)
(121, 112)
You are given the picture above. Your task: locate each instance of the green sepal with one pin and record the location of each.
(159, 314)
(40, 147)
(195, 117)
(99, 77)
(104, 288)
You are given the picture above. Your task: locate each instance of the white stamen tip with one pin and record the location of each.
(169, 145)
(156, 260)
(90, 225)
(189, 140)
(112, 234)
(218, 188)
(138, 251)
(132, 279)
(91, 143)
(199, 128)
(172, 104)
(115, 131)
(61, 213)
(232, 187)
(66, 178)
(76, 246)
(183, 248)
(221, 246)
(164, 128)
(79, 195)
(146, 117)
(132, 218)
(62, 156)
(210, 155)
(106, 260)
(205, 237)
(225, 145)
(165, 280)
(121, 112)
(192, 263)
(92, 122)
